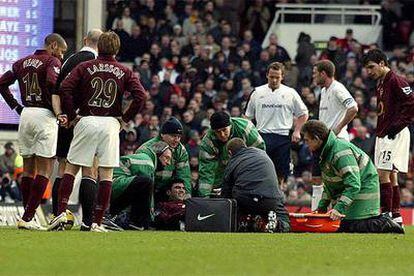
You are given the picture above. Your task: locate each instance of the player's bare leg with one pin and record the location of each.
(395, 207)
(386, 191)
(87, 194)
(43, 171)
(104, 195)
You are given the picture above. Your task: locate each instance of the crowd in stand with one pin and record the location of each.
(196, 57)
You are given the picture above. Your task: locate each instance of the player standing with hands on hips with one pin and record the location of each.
(37, 76)
(274, 106)
(99, 86)
(395, 113)
(337, 108)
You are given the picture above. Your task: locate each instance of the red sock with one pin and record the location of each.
(396, 202)
(36, 193)
(25, 186)
(102, 202)
(386, 197)
(65, 189)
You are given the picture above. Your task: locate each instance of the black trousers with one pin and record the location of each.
(137, 196)
(378, 224)
(257, 205)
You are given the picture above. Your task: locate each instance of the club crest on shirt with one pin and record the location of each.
(407, 90)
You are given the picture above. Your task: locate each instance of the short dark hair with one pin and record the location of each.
(275, 66)
(173, 181)
(235, 144)
(326, 66)
(109, 43)
(374, 55)
(316, 130)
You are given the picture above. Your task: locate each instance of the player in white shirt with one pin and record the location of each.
(274, 107)
(337, 108)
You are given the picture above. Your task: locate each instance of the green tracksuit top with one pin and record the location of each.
(213, 156)
(350, 180)
(179, 167)
(142, 164)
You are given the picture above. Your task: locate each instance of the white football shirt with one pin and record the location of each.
(274, 111)
(335, 101)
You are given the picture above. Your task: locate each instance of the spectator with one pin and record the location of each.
(277, 52)
(137, 45)
(303, 55)
(127, 21)
(364, 141)
(336, 55)
(259, 17)
(7, 167)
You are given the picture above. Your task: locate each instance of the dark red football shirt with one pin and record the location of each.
(37, 75)
(395, 104)
(98, 86)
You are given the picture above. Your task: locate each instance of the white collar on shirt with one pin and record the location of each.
(89, 49)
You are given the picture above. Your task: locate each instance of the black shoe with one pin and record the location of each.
(394, 227)
(109, 223)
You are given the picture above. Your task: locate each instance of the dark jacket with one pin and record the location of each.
(250, 172)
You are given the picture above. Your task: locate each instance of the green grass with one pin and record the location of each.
(174, 253)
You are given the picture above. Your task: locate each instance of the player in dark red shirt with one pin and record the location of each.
(37, 76)
(98, 86)
(395, 112)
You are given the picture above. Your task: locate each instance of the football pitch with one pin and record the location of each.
(178, 253)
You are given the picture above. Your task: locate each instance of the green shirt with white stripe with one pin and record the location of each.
(213, 155)
(179, 167)
(350, 180)
(142, 164)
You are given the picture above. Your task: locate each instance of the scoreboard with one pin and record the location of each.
(23, 26)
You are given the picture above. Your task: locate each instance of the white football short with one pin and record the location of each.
(95, 136)
(393, 154)
(38, 132)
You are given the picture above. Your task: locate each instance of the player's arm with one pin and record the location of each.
(52, 74)
(138, 94)
(405, 98)
(6, 80)
(250, 111)
(301, 112)
(253, 138)
(207, 167)
(348, 168)
(345, 98)
(183, 169)
(68, 91)
(56, 104)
